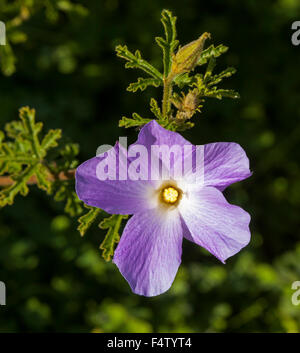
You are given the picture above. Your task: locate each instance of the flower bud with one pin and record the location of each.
(187, 57)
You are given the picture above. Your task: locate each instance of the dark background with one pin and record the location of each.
(66, 69)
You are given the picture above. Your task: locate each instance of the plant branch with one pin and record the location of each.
(69, 175)
(166, 102)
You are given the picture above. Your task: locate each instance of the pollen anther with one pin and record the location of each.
(170, 195)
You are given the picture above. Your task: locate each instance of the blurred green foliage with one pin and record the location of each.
(60, 59)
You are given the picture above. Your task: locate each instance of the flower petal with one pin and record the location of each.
(113, 196)
(124, 196)
(224, 163)
(154, 134)
(149, 252)
(166, 146)
(213, 223)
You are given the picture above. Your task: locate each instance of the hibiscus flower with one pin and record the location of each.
(166, 211)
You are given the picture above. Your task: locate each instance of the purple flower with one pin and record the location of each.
(149, 252)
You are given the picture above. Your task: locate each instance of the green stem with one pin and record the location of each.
(166, 103)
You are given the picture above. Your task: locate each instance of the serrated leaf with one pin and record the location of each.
(66, 156)
(24, 153)
(14, 129)
(169, 43)
(219, 77)
(74, 205)
(12, 158)
(7, 60)
(206, 89)
(222, 93)
(31, 129)
(42, 178)
(112, 237)
(50, 139)
(210, 67)
(8, 194)
(135, 61)
(211, 52)
(185, 126)
(178, 125)
(88, 219)
(136, 120)
(184, 80)
(66, 193)
(155, 109)
(143, 83)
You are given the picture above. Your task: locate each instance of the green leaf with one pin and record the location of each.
(184, 79)
(12, 158)
(169, 43)
(31, 129)
(222, 93)
(23, 156)
(42, 178)
(176, 125)
(210, 67)
(136, 120)
(211, 52)
(65, 192)
(50, 140)
(112, 237)
(184, 126)
(66, 158)
(19, 186)
(155, 109)
(88, 219)
(219, 77)
(143, 83)
(206, 86)
(7, 60)
(14, 129)
(136, 61)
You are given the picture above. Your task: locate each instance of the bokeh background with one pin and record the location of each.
(61, 61)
